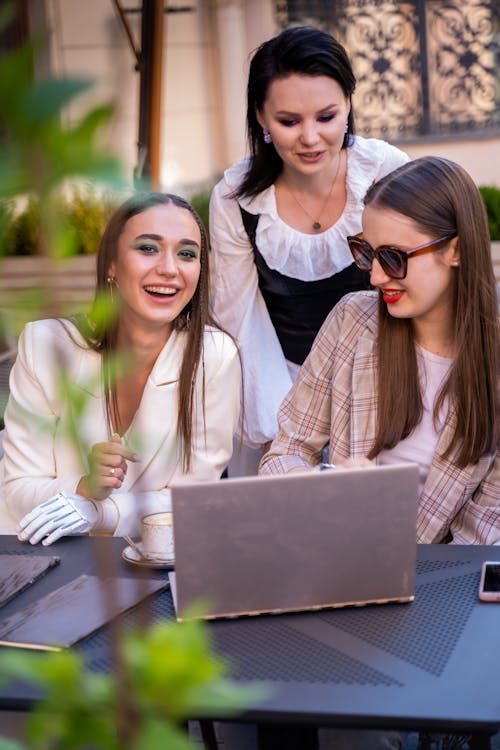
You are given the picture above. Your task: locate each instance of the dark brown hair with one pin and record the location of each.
(195, 316)
(441, 198)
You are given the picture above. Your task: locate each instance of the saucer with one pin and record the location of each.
(130, 555)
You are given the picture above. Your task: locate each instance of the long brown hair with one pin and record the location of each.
(102, 337)
(441, 198)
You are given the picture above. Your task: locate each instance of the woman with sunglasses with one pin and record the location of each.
(412, 372)
(279, 219)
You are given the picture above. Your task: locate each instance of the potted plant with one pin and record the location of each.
(163, 673)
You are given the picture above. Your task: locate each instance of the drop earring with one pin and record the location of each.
(267, 136)
(111, 282)
(346, 129)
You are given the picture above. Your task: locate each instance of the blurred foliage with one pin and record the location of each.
(22, 230)
(491, 198)
(6, 219)
(83, 211)
(88, 214)
(38, 150)
(200, 202)
(166, 673)
(41, 149)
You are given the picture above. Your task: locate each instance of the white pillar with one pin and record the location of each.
(233, 66)
(260, 22)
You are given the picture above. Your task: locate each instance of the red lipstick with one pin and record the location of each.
(390, 296)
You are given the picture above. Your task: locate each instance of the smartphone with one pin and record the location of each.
(489, 585)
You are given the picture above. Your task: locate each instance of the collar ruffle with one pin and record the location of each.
(311, 256)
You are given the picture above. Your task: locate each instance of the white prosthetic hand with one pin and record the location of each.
(62, 515)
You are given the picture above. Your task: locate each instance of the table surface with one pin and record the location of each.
(433, 664)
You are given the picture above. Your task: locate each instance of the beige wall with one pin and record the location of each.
(479, 157)
(86, 39)
(206, 56)
(204, 80)
(190, 110)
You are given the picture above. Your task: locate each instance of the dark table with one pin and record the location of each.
(432, 665)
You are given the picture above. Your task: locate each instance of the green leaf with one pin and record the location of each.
(224, 697)
(18, 664)
(177, 674)
(491, 199)
(104, 314)
(168, 672)
(7, 744)
(44, 100)
(156, 734)
(16, 70)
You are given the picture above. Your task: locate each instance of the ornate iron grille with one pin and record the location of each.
(423, 67)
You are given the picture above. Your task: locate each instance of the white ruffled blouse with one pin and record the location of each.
(237, 302)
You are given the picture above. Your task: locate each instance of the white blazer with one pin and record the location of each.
(56, 413)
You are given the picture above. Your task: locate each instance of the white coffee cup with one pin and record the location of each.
(157, 535)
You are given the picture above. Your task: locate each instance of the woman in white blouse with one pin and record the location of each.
(280, 218)
(104, 416)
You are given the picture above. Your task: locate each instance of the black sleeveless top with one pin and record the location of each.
(299, 308)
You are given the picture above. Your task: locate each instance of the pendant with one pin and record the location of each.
(316, 225)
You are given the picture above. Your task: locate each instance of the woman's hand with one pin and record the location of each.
(107, 469)
(61, 515)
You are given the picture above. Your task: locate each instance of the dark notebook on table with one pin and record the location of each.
(74, 611)
(17, 572)
(298, 541)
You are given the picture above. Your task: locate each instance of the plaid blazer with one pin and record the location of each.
(334, 399)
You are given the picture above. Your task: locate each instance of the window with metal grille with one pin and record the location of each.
(423, 67)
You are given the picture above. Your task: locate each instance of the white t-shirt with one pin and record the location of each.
(420, 446)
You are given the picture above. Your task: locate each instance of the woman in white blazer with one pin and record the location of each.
(104, 416)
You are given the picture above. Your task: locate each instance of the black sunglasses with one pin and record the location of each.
(393, 260)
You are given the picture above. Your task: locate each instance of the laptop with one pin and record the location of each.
(293, 542)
